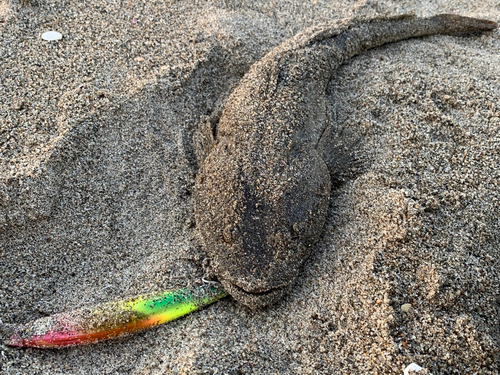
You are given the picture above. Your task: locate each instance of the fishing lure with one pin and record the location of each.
(112, 319)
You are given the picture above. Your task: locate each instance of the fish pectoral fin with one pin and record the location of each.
(203, 139)
(205, 134)
(344, 153)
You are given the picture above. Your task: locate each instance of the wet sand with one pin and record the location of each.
(97, 166)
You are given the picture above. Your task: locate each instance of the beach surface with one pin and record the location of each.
(97, 167)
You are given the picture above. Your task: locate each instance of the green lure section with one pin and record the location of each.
(112, 319)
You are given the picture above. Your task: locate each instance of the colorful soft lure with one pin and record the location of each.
(108, 320)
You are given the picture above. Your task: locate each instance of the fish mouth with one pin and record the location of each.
(254, 300)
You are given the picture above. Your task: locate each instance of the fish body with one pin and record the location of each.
(262, 192)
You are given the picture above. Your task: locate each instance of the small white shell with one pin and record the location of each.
(412, 367)
(51, 35)
(406, 307)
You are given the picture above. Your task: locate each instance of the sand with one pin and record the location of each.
(97, 167)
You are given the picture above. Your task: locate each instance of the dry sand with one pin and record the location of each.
(97, 167)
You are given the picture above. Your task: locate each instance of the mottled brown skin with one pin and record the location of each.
(262, 193)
